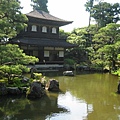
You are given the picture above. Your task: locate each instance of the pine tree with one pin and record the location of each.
(40, 5)
(12, 21)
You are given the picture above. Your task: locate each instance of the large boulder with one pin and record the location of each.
(53, 85)
(68, 73)
(35, 91)
(118, 91)
(3, 89)
(14, 91)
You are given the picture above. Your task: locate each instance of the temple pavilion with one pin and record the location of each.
(41, 38)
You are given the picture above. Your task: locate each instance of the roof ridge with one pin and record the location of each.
(44, 15)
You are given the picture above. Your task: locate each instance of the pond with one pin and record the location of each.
(86, 96)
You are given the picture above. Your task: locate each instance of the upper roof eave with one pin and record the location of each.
(46, 16)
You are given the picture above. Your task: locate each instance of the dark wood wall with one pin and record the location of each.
(39, 33)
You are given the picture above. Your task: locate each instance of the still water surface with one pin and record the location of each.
(88, 96)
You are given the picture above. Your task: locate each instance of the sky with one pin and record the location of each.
(70, 10)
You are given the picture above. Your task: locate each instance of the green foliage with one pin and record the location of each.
(117, 72)
(99, 48)
(63, 34)
(3, 80)
(107, 35)
(12, 54)
(11, 108)
(17, 83)
(11, 69)
(13, 61)
(78, 37)
(69, 61)
(89, 6)
(28, 91)
(105, 13)
(106, 45)
(12, 21)
(38, 76)
(83, 38)
(40, 5)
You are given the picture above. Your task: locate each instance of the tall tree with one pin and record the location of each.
(105, 13)
(107, 45)
(80, 37)
(107, 35)
(40, 5)
(12, 21)
(89, 5)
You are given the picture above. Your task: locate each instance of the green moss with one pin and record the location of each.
(117, 72)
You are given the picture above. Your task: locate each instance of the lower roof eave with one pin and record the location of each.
(43, 42)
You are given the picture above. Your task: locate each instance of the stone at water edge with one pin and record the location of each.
(3, 89)
(36, 90)
(53, 85)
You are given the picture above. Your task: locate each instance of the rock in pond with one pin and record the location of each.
(35, 91)
(118, 91)
(53, 85)
(3, 89)
(14, 90)
(68, 73)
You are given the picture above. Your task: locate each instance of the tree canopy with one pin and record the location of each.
(106, 44)
(12, 21)
(96, 47)
(89, 5)
(13, 61)
(40, 5)
(105, 13)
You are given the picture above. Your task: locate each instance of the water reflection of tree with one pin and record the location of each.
(97, 90)
(22, 108)
(41, 108)
(9, 106)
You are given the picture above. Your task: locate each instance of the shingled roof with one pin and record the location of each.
(46, 16)
(44, 42)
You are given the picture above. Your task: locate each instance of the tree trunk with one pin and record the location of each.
(89, 19)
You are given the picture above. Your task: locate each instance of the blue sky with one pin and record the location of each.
(71, 10)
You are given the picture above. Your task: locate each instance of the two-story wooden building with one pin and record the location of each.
(41, 38)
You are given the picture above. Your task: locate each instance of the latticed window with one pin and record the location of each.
(34, 28)
(44, 29)
(46, 53)
(61, 53)
(54, 30)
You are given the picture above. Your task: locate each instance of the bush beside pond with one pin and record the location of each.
(32, 88)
